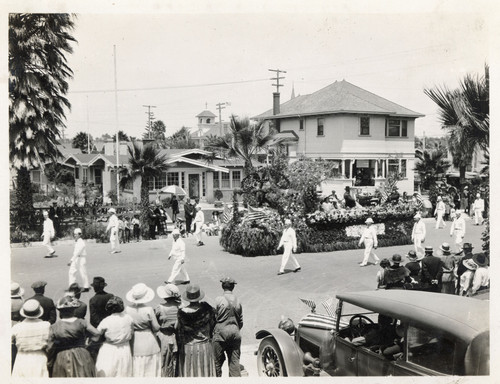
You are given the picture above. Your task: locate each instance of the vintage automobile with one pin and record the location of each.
(438, 334)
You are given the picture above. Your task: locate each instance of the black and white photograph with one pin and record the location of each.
(249, 189)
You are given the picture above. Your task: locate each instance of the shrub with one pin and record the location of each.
(95, 230)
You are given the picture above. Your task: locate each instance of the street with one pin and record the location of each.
(264, 295)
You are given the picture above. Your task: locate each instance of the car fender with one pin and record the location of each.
(292, 354)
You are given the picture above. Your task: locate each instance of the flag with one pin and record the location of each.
(226, 214)
(384, 197)
(328, 304)
(310, 303)
(255, 214)
(419, 200)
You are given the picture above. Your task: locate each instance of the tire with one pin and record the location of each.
(270, 360)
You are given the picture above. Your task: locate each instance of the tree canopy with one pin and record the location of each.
(82, 140)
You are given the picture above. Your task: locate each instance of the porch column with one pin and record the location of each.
(351, 169)
(343, 168)
(376, 168)
(384, 168)
(399, 165)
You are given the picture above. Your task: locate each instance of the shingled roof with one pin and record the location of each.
(339, 97)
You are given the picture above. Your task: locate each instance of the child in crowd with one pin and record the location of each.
(136, 227)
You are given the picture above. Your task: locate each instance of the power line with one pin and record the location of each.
(277, 78)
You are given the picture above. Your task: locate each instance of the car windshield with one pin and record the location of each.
(349, 310)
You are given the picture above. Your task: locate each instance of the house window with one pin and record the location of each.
(393, 166)
(201, 120)
(36, 177)
(161, 181)
(396, 128)
(336, 168)
(225, 182)
(173, 178)
(208, 121)
(301, 124)
(320, 127)
(84, 174)
(77, 173)
(236, 179)
(364, 126)
(403, 167)
(216, 180)
(381, 168)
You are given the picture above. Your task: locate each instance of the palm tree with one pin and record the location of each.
(144, 163)
(38, 83)
(244, 141)
(464, 114)
(431, 165)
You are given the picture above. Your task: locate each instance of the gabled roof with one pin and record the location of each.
(206, 113)
(198, 163)
(90, 158)
(176, 152)
(339, 97)
(67, 150)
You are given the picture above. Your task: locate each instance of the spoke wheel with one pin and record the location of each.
(270, 359)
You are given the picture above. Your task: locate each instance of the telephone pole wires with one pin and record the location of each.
(151, 117)
(220, 107)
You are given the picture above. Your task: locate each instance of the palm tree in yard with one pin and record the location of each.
(244, 141)
(38, 83)
(464, 114)
(431, 165)
(145, 162)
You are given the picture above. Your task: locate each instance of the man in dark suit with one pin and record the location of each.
(98, 302)
(151, 218)
(432, 271)
(188, 214)
(49, 309)
(467, 250)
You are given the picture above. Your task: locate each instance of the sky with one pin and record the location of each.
(184, 63)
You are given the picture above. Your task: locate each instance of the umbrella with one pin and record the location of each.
(174, 190)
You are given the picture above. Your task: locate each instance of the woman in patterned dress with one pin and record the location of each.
(166, 313)
(67, 354)
(195, 327)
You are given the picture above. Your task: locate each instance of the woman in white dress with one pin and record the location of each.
(115, 356)
(145, 347)
(31, 337)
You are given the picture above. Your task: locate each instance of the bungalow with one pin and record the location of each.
(365, 136)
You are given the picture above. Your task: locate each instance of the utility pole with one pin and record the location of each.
(220, 107)
(117, 130)
(277, 78)
(88, 127)
(151, 117)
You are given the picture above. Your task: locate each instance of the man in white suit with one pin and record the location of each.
(48, 234)
(289, 243)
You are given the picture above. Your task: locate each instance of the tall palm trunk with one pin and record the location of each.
(24, 200)
(144, 208)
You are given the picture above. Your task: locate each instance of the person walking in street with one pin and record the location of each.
(78, 263)
(478, 208)
(113, 229)
(188, 214)
(449, 265)
(458, 229)
(178, 251)
(48, 234)
(227, 337)
(418, 234)
(195, 327)
(289, 243)
(49, 309)
(31, 338)
(439, 212)
(369, 239)
(145, 347)
(197, 225)
(115, 356)
(467, 254)
(166, 314)
(432, 271)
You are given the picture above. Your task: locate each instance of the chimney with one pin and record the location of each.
(276, 103)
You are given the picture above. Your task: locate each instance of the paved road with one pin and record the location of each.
(265, 296)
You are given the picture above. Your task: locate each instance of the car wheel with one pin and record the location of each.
(270, 359)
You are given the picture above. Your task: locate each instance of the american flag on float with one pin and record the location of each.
(255, 214)
(419, 199)
(328, 304)
(310, 303)
(226, 214)
(314, 320)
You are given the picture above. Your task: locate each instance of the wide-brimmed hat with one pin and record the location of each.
(75, 288)
(470, 264)
(467, 246)
(31, 309)
(167, 291)
(140, 294)
(480, 259)
(111, 210)
(98, 280)
(412, 255)
(445, 247)
(228, 280)
(16, 290)
(369, 221)
(67, 303)
(396, 258)
(77, 230)
(193, 293)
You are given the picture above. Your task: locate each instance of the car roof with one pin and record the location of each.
(462, 317)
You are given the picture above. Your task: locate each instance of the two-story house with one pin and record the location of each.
(366, 136)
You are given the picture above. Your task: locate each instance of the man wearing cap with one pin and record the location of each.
(449, 264)
(432, 271)
(481, 280)
(78, 263)
(461, 268)
(458, 229)
(229, 321)
(369, 239)
(418, 234)
(48, 234)
(178, 251)
(289, 243)
(49, 309)
(478, 207)
(113, 228)
(197, 224)
(439, 212)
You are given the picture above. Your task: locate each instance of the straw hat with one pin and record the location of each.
(111, 210)
(480, 259)
(445, 247)
(31, 309)
(140, 294)
(16, 290)
(167, 291)
(369, 221)
(193, 293)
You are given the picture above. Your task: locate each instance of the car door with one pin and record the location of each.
(373, 364)
(346, 358)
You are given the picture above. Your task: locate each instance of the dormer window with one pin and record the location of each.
(208, 121)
